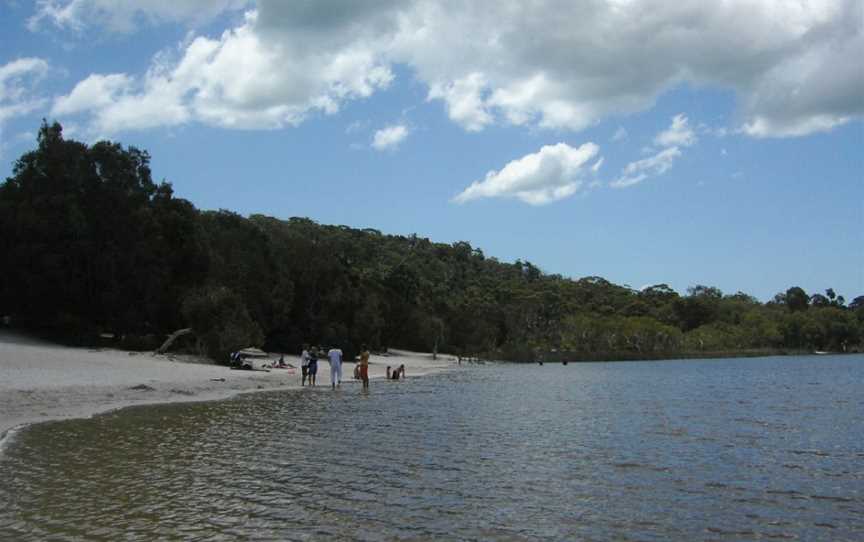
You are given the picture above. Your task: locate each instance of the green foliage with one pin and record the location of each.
(91, 244)
(221, 322)
(796, 299)
(89, 236)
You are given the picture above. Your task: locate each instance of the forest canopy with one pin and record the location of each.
(92, 245)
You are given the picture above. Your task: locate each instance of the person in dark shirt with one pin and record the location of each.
(313, 365)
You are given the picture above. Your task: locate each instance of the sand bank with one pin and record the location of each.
(41, 381)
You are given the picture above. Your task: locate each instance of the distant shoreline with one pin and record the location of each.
(612, 357)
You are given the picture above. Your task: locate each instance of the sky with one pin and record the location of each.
(642, 141)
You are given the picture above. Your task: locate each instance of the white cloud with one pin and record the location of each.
(95, 92)
(18, 96)
(17, 83)
(390, 137)
(761, 126)
(552, 173)
(240, 80)
(678, 134)
(464, 99)
(620, 134)
(792, 66)
(121, 15)
(638, 171)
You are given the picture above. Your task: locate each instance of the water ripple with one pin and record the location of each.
(653, 451)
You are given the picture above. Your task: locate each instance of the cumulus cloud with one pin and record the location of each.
(18, 96)
(17, 81)
(464, 99)
(793, 65)
(121, 15)
(95, 92)
(552, 173)
(678, 134)
(240, 80)
(390, 137)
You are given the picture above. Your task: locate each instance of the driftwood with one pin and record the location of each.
(179, 333)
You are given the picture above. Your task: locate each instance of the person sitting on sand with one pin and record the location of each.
(243, 363)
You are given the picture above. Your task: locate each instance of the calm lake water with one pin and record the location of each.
(768, 448)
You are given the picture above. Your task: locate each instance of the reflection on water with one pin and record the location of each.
(724, 449)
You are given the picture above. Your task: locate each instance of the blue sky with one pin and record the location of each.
(640, 141)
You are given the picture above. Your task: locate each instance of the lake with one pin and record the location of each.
(727, 449)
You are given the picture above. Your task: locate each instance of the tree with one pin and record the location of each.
(83, 226)
(796, 299)
(819, 300)
(700, 307)
(220, 322)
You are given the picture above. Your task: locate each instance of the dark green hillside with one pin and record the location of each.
(91, 245)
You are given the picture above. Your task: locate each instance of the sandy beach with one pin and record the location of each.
(41, 381)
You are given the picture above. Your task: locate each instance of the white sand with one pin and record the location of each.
(41, 381)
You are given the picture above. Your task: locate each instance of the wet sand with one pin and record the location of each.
(41, 381)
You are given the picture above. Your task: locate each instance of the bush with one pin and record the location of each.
(221, 322)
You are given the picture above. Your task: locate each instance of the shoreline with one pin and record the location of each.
(42, 382)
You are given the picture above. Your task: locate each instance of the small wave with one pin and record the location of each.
(818, 453)
(832, 498)
(791, 493)
(779, 536)
(640, 466)
(717, 530)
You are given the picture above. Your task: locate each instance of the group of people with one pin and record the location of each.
(309, 366)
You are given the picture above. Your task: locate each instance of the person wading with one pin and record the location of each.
(335, 357)
(304, 364)
(364, 366)
(313, 365)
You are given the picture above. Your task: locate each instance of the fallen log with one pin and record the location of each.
(179, 333)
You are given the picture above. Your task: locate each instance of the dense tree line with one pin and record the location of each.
(91, 245)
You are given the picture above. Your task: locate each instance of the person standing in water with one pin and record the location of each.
(313, 365)
(304, 364)
(364, 366)
(335, 357)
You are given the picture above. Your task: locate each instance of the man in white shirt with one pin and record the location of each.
(335, 357)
